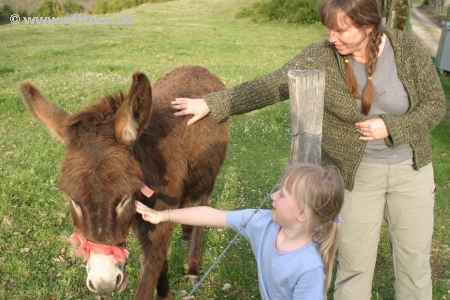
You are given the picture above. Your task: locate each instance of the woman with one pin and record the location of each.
(382, 98)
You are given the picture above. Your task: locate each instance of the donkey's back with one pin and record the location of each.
(180, 163)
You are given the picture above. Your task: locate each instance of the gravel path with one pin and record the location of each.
(429, 31)
(426, 30)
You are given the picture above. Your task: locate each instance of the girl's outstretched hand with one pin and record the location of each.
(150, 215)
(187, 106)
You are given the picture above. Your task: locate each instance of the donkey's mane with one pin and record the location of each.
(104, 108)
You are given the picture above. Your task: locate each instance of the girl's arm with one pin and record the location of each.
(196, 216)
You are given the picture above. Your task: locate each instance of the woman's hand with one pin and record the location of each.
(151, 215)
(187, 106)
(373, 129)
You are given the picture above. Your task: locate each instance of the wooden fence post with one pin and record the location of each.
(306, 91)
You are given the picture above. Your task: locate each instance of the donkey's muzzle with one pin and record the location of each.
(105, 274)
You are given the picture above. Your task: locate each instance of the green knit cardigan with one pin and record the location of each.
(340, 141)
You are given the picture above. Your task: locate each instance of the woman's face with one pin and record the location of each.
(348, 39)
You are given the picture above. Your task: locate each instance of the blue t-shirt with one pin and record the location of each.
(290, 275)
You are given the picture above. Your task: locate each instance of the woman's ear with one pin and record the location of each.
(368, 30)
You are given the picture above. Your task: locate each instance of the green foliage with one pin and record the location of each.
(5, 13)
(23, 13)
(247, 11)
(118, 5)
(102, 7)
(445, 80)
(71, 6)
(109, 6)
(50, 8)
(290, 11)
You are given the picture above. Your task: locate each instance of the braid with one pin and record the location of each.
(372, 55)
(365, 15)
(351, 80)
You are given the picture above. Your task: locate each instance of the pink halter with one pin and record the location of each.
(120, 253)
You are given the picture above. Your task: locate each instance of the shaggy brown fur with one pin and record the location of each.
(123, 140)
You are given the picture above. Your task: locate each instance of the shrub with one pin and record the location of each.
(118, 5)
(102, 7)
(71, 6)
(291, 11)
(50, 8)
(245, 12)
(5, 13)
(105, 6)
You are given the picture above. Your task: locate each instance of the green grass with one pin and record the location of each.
(74, 64)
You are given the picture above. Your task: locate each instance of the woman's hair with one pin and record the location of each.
(363, 14)
(321, 189)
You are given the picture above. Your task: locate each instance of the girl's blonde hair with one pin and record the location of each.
(363, 14)
(321, 189)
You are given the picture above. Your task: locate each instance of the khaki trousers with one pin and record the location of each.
(406, 199)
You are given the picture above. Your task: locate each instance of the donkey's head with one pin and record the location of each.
(99, 173)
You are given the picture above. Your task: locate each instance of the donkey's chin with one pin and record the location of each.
(105, 274)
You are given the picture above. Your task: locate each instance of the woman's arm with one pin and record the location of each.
(196, 216)
(245, 97)
(250, 95)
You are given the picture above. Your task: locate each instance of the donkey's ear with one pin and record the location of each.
(140, 99)
(134, 113)
(51, 115)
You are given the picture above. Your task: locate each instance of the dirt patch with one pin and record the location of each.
(431, 14)
(427, 27)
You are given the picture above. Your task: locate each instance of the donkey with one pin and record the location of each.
(128, 147)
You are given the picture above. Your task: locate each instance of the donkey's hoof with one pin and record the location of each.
(193, 279)
(185, 243)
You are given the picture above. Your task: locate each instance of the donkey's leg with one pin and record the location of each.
(154, 262)
(194, 255)
(195, 249)
(187, 230)
(186, 235)
(163, 287)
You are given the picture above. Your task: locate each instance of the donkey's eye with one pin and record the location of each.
(125, 200)
(122, 204)
(76, 207)
(74, 203)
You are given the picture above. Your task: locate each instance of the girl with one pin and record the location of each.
(294, 243)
